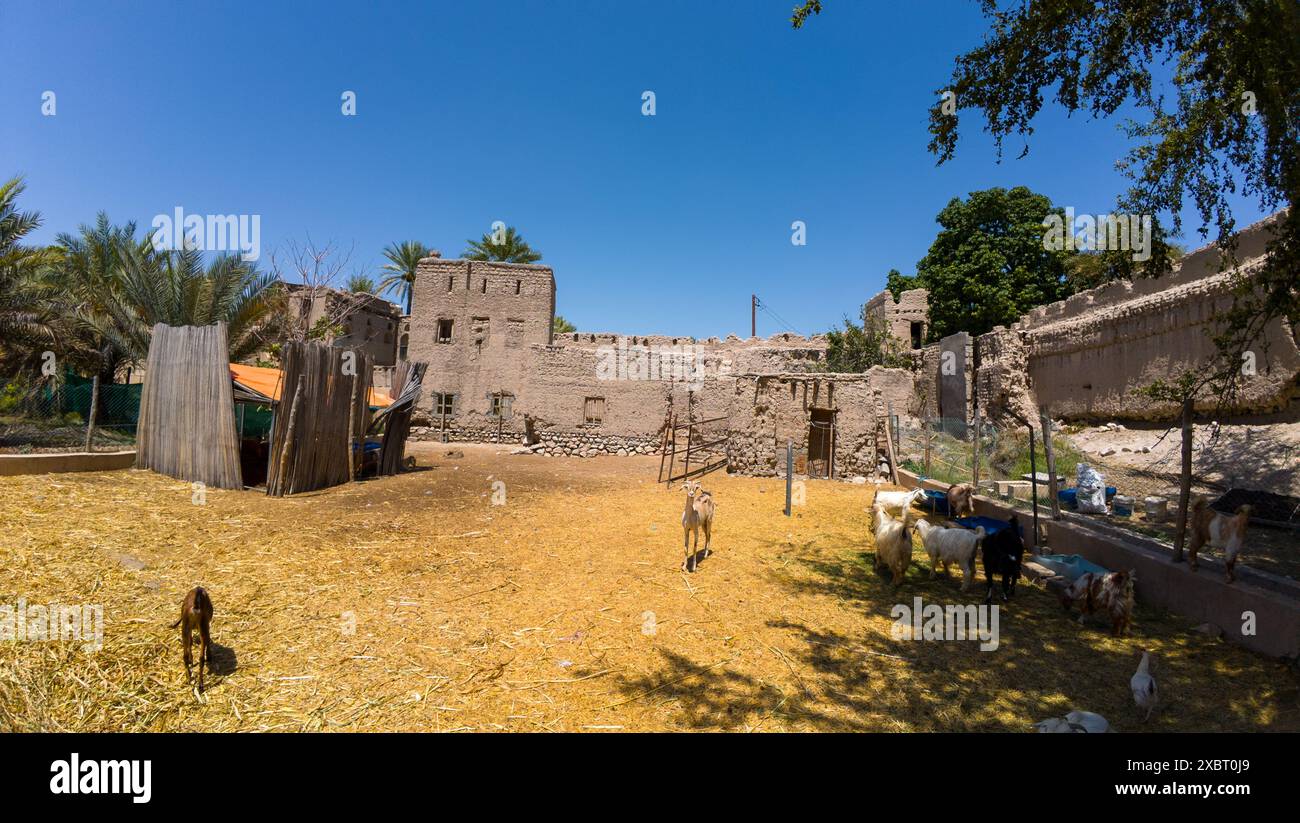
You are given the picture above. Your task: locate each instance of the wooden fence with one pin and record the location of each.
(706, 449)
(408, 380)
(187, 419)
(322, 416)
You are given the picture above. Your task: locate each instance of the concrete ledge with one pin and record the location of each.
(1202, 596)
(14, 464)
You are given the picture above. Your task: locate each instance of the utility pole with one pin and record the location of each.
(753, 315)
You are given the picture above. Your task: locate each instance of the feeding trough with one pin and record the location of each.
(936, 502)
(991, 525)
(1070, 497)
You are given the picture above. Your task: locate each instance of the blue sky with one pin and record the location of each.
(529, 112)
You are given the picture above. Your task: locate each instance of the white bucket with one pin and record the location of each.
(1122, 505)
(1157, 509)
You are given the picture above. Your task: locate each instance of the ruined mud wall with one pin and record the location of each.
(912, 306)
(767, 411)
(1086, 357)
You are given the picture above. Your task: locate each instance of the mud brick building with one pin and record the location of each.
(497, 372)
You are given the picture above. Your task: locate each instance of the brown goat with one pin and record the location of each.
(696, 517)
(1222, 531)
(961, 499)
(196, 613)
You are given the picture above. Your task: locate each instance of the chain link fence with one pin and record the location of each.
(1232, 465)
(54, 416)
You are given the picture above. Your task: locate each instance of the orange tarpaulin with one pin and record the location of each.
(267, 381)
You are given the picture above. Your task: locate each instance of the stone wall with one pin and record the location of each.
(1087, 356)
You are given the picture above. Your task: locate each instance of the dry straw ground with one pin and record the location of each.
(563, 609)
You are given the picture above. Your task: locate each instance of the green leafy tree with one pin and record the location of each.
(856, 348)
(403, 258)
(988, 264)
(561, 326)
(507, 246)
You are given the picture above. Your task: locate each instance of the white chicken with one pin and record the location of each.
(1143, 684)
(1074, 722)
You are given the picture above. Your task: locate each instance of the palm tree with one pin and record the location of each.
(89, 274)
(175, 288)
(361, 283)
(509, 247)
(402, 259)
(29, 319)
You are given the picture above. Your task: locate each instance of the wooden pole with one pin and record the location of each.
(663, 447)
(352, 413)
(975, 455)
(281, 481)
(929, 439)
(893, 456)
(830, 470)
(1184, 481)
(672, 460)
(789, 473)
(1033, 482)
(690, 434)
(94, 409)
(1046, 419)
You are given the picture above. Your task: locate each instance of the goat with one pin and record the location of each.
(196, 613)
(961, 499)
(1222, 531)
(901, 501)
(893, 544)
(697, 515)
(1111, 593)
(1003, 552)
(946, 546)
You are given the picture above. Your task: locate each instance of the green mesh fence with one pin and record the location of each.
(52, 416)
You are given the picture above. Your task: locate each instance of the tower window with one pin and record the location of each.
(444, 331)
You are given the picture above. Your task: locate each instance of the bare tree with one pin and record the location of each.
(314, 277)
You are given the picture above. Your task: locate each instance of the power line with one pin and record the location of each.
(778, 318)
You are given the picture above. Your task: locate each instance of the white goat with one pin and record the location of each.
(897, 501)
(697, 516)
(893, 544)
(955, 546)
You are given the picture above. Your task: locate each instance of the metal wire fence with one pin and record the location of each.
(55, 416)
(1140, 468)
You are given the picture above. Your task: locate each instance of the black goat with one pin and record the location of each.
(1003, 552)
